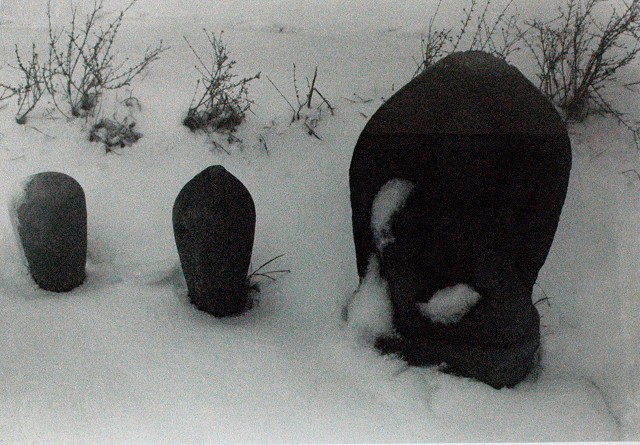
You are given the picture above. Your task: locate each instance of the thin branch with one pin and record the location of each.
(632, 170)
(281, 94)
(312, 87)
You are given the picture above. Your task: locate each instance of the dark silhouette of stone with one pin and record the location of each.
(51, 220)
(214, 223)
(490, 159)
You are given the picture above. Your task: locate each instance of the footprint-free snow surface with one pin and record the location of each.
(125, 358)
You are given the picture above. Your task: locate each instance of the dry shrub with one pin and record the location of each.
(80, 64)
(578, 55)
(220, 101)
(476, 31)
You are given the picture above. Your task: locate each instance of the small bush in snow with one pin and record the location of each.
(476, 31)
(222, 102)
(113, 133)
(29, 92)
(303, 110)
(578, 55)
(81, 64)
(118, 131)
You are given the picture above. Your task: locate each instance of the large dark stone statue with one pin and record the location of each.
(214, 223)
(51, 223)
(489, 159)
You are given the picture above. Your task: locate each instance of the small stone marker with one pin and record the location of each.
(214, 224)
(50, 219)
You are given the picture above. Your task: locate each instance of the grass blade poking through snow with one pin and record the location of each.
(252, 278)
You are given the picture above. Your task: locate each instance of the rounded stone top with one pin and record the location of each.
(468, 93)
(215, 187)
(52, 187)
(476, 61)
(50, 177)
(215, 170)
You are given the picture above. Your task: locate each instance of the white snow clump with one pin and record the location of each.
(450, 304)
(369, 312)
(388, 202)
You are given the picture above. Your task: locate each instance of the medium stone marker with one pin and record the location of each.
(214, 224)
(488, 158)
(50, 219)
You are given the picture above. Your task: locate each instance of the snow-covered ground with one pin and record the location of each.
(124, 358)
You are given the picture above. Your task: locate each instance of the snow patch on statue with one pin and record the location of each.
(369, 312)
(450, 304)
(389, 200)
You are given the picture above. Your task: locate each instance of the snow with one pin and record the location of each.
(369, 312)
(388, 201)
(125, 358)
(16, 195)
(450, 304)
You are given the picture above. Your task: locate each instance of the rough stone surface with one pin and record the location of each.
(490, 158)
(52, 227)
(214, 224)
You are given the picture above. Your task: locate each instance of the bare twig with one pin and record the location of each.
(40, 131)
(324, 99)
(358, 99)
(310, 122)
(263, 142)
(546, 298)
(282, 95)
(312, 132)
(632, 170)
(312, 87)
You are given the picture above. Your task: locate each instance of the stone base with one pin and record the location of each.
(496, 366)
